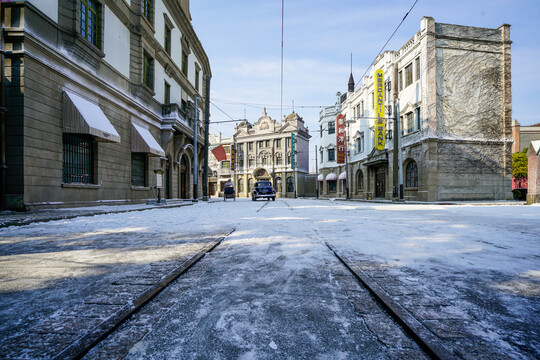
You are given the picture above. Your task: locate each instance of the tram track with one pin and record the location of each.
(421, 335)
(92, 338)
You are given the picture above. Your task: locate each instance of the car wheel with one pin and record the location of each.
(273, 199)
(253, 198)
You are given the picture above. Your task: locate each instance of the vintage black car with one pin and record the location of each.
(263, 189)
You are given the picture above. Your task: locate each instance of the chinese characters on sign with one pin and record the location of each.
(340, 139)
(379, 110)
(233, 157)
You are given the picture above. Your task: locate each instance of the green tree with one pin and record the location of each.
(520, 166)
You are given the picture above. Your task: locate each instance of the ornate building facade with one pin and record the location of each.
(263, 152)
(452, 85)
(100, 101)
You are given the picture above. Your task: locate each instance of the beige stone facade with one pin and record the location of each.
(263, 152)
(452, 85)
(137, 72)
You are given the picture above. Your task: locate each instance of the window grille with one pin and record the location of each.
(138, 169)
(411, 175)
(77, 159)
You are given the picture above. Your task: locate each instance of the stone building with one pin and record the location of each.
(220, 170)
(523, 135)
(100, 96)
(263, 152)
(452, 86)
(533, 154)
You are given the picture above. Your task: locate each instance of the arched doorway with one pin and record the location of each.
(184, 176)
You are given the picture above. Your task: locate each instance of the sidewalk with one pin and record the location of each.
(13, 218)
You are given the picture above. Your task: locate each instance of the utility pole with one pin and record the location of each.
(195, 123)
(206, 126)
(317, 173)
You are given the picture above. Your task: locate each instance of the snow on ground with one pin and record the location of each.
(462, 269)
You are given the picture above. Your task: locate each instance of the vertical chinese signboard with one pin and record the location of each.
(340, 139)
(379, 110)
(233, 157)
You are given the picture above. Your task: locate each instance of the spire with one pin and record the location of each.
(351, 83)
(351, 80)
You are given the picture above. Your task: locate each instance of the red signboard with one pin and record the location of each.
(340, 139)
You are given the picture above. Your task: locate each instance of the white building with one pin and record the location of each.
(452, 85)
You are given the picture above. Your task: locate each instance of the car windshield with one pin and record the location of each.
(264, 183)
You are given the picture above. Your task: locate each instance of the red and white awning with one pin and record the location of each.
(331, 177)
(343, 176)
(320, 178)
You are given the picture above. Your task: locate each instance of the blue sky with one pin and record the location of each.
(243, 41)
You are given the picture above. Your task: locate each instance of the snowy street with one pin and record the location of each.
(469, 273)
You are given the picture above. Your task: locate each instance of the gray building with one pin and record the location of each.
(100, 100)
(453, 87)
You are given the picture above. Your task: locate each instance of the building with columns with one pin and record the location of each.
(100, 99)
(263, 152)
(452, 88)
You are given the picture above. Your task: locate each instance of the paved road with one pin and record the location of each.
(265, 293)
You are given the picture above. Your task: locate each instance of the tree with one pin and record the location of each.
(520, 166)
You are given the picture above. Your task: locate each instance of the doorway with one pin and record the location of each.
(184, 178)
(380, 182)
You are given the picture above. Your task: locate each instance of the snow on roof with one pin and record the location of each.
(535, 145)
(149, 140)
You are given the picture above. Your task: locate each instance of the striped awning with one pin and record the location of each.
(81, 116)
(320, 177)
(331, 177)
(343, 176)
(142, 141)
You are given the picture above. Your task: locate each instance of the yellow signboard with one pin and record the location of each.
(380, 130)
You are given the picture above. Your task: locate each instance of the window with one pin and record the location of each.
(289, 158)
(360, 180)
(89, 21)
(278, 159)
(332, 185)
(226, 164)
(362, 108)
(250, 162)
(138, 169)
(417, 68)
(167, 41)
(278, 143)
(240, 185)
(250, 146)
(259, 144)
(148, 76)
(331, 127)
(418, 122)
(400, 80)
(250, 185)
(184, 63)
(197, 72)
(321, 153)
(410, 122)
(411, 175)
(227, 149)
(77, 159)
(290, 184)
(320, 130)
(263, 160)
(147, 10)
(167, 94)
(360, 143)
(408, 75)
(267, 143)
(331, 154)
(240, 148)
(241, 161)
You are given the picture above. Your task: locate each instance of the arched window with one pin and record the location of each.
(411, 175)
(290, 184)
(279, 184)
(250, 184)
(360, 180)
(240, 185)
